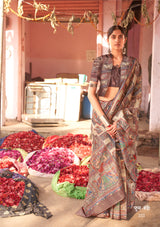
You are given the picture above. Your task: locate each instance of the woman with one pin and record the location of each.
(112, 175)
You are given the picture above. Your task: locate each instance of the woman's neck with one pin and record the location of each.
(117, 54)
(117, 57)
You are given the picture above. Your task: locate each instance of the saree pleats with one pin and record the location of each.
(121, 209)
(110, 187)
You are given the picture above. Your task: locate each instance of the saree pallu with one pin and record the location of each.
(112, 174)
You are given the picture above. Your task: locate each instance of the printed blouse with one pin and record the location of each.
(108, 75)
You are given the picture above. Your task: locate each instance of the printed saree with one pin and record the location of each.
(112, 174)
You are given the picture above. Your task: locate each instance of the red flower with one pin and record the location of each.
(148, 181)
(80, 144)
(29, 141)
(11, 191)
(78, 175)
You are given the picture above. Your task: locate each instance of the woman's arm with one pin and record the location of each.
(93, 98)
(95, 77)
(111, 129)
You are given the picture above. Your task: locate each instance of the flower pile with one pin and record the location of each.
(11, 191)
(78, 175)
(148, 181)
(80, 144)
(12, 154)
(13, 165)
(19, 196)
(29, 141)
(51, 160)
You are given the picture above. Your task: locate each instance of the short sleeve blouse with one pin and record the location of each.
(96, 73)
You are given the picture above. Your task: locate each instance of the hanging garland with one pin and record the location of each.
(87, 17)
(70, 25)
(7, 5)
(39, 6)
(145, 12)
(128, 19)
(53, 20)
(114, 19)
(20, 7)
(51, 16)
(124, 22)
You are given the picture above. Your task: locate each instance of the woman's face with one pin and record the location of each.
(117, 40)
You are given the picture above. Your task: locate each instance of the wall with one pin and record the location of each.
(2, 66)
(108, 9)
(61, 52)
(12, 66)
(27, 48)
(133, 41)
(145, 50)
(154, 123)
(140, 47)
(144, 53)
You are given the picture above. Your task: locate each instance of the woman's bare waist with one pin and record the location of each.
(103, 98)
(110, 94)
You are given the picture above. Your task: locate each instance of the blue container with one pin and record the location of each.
(86, 108)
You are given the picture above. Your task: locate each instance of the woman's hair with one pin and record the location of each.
(115, 27)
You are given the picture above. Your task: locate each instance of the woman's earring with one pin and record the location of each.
(109, 49)
(124, 50)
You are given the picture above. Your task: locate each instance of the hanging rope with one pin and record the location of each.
(28, 18)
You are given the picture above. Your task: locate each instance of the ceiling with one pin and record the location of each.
(63, 9)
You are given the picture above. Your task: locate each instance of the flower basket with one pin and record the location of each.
(46, 162)
(71, 181)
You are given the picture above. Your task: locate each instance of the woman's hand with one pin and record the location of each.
(112, 129)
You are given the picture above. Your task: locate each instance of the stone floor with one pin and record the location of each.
(145, 214)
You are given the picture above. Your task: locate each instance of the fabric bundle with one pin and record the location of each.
(19, 196)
